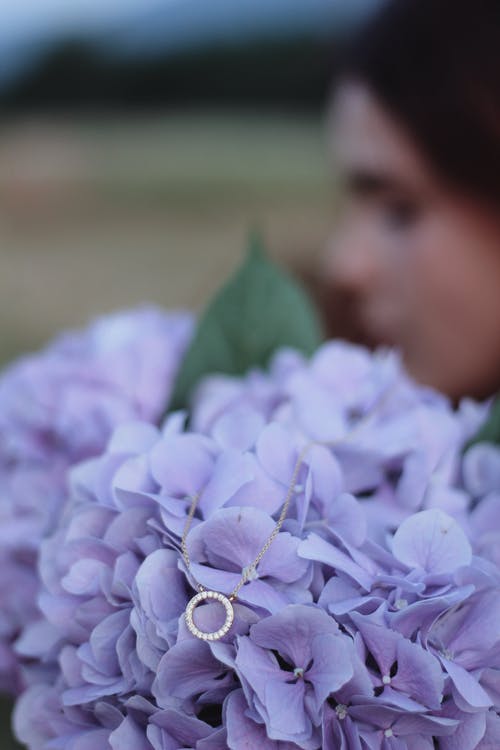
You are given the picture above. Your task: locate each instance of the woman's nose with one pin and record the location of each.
(350, 262)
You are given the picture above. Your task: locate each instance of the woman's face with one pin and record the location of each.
(418, 260)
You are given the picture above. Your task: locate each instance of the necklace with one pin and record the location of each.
(205, 595)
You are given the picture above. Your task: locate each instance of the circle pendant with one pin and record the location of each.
(204, 596)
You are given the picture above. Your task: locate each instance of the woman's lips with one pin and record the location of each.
(369, 320)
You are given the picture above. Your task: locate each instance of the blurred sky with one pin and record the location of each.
(28, 17)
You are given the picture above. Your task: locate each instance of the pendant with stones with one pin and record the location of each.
(204, 596)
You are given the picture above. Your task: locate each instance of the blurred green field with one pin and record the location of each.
(101, 213)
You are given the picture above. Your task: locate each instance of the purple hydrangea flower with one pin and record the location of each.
(481, 478)
(407, 456)
(359, 628)
(58, 407)
(418, 623)
(288, 665)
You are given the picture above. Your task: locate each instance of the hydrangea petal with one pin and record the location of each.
(433, 541)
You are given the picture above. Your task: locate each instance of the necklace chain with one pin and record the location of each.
(250, 569)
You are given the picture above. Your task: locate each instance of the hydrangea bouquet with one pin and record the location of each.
(142, 463)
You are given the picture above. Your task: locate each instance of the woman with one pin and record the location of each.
(415, 131)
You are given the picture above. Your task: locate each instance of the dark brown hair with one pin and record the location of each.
(435, 67)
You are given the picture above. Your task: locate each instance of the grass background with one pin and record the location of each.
(100, 213)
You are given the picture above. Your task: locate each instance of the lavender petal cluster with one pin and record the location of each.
(372, 622)
(58, 407)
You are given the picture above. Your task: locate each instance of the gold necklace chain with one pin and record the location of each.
(272, 536)
(250, 570)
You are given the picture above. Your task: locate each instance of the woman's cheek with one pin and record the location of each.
(452, 335)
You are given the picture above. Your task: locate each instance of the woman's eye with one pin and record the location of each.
(400, 213)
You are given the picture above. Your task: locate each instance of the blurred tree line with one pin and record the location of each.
(282, 74)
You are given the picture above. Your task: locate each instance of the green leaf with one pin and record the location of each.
(490, 431)
(6, 740)
(258, 311)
